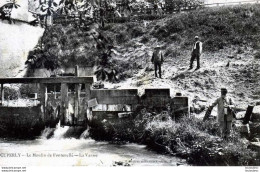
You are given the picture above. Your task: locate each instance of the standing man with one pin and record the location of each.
(225, 114)
(196, 52)
(157, 60)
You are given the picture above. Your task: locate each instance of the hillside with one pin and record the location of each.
(229, 35)
(16, 41)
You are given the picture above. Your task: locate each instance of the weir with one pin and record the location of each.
(71, 100)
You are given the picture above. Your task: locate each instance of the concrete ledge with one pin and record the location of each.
(157, 92)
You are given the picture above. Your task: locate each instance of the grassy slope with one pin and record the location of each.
(229, 34)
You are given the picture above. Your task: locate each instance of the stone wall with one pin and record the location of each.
(20, 122)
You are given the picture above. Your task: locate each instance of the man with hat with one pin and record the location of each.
(157, 60)
(196, 52)
(225, 115)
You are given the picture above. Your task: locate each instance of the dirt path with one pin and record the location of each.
(241, 76)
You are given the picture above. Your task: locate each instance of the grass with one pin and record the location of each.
(189, 138)
(218, 28)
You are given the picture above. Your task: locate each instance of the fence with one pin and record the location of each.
(149, 13)
(230, 3)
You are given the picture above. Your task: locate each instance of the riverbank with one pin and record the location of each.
(190, 138)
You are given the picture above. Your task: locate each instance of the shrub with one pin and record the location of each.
(175, 25)
(137, 31)
(257, 55)
(188, 138)
(144, 39)
(11, 93)
(122, 38)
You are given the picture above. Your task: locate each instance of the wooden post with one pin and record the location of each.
(77, 102)
(64, 102)
(44, 97)
(77, 97)
(77, 71)
(55, 92)
(2, 94)
(87, 97)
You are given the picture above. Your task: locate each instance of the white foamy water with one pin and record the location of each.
(75, 152)
(60, 131)
(85, 134)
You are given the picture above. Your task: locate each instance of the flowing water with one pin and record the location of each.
(60, 151)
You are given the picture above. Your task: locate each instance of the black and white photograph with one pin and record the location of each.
(129, 83)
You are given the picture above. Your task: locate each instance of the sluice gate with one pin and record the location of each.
(72, 101)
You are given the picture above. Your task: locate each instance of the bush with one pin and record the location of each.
(144, 39)
(11, 93)
(257, 55)
(189, 138)
(137, 31)
(175, 25)
(122, 38)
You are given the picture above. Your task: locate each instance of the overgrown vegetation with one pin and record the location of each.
(189, 138)
(63, 47)
(218, 28)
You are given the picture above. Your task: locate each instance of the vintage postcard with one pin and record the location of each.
(129, 83)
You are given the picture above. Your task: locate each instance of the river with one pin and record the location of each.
(60, 151)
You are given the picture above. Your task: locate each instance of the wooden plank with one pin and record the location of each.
(64, 101)
(77, 102)
(54, 80)
(2, 94)
(114, 93)
(43, 100)
(118, 100)
(87, 91)
(77, 71)
(157, 92)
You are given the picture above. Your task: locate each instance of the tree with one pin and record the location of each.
(6, 10)
(66, 6)
(47, 7)
(179, 5)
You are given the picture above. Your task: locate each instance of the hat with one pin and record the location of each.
(4, 2)
(224, 90)
(196, 37)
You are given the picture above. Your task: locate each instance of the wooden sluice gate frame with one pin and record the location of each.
(42, 83)
(104, 98)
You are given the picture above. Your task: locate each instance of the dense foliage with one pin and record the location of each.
(189, 138)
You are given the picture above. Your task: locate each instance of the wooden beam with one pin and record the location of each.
(87, 91)
(64, 102)
(77, 102)
(87, 98)
(2, 94)
(77, 71)
(44, 98)
(54, 80)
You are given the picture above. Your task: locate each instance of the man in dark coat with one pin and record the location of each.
(196, 52)
(157, 60)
